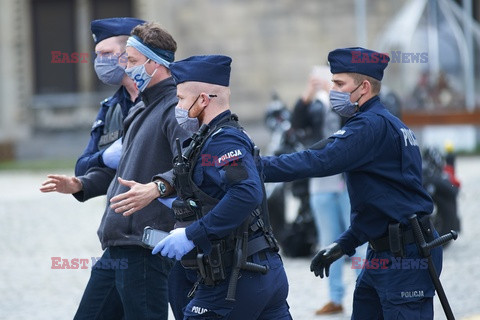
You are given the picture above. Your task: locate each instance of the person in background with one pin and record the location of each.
(328, 196)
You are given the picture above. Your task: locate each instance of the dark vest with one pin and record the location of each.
(192, 203)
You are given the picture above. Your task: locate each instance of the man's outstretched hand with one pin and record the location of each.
(324, 258)
(62, 184)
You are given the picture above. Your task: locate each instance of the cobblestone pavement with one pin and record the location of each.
(36, 227)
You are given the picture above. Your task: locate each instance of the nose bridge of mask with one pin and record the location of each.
(109, 71)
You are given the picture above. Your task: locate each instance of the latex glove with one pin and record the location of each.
(175, 245)
(111, 155)
(324, 258)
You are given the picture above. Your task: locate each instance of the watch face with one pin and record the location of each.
(161, 187)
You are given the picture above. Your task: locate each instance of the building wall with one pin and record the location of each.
(15, 69)
(274, 45)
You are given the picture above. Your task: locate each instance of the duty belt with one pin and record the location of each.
(383, 244)
(398, 237)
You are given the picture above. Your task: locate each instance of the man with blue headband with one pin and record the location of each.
(383, 169)
(127, 270)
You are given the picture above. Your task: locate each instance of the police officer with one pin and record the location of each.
(104, 148)
(227, 205)
(382, 164)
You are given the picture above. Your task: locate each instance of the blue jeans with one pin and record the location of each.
(331, 212)
(128, 282)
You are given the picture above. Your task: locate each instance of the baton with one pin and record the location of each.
(424, 249)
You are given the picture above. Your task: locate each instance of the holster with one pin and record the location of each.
(395, 240)
(211, 267)
(399, 236)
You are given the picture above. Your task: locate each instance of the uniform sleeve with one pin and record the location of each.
(91, 156)
(229, 165)
(348, 149)
(351, 239)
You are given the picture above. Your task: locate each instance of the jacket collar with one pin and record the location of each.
(158, 91)
(219, 117)
(369, 104)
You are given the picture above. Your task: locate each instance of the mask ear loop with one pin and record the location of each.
(188, 114)
(210, 96)
(356, 102)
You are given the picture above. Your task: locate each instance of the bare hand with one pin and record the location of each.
(313, 86)
(61, 184)
(138, 197)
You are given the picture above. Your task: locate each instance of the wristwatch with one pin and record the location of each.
(162, 188)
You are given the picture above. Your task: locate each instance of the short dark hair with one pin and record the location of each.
(359, 78)
(152, 34)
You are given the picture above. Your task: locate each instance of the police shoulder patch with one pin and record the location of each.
(230, 157)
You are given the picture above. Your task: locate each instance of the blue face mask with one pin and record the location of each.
(341, 103)
(188, 124)
(108, 70)
(140, 75)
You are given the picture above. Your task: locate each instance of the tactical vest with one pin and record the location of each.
(193, 204)
(113, 127)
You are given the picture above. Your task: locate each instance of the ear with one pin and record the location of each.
(204, 100)
(366, 87)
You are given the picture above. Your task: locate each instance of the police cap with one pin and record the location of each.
(111, 27)
(358, 60)
(214, 69)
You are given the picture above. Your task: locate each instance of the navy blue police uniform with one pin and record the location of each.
(225, 172)
(108, 125)
(107, 128)
(382, 164)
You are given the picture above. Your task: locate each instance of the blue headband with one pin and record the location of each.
(163, 57)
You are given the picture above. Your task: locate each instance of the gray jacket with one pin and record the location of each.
(148, 148)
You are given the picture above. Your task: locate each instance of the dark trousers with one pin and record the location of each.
(180, 283)
(127, 282)
(258, 296)
(398, 288)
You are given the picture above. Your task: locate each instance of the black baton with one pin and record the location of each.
(424, 249)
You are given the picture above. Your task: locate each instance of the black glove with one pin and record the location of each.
(324, 258)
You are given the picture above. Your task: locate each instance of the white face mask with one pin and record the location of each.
(108, 70)
(140, 76)
(188, 124)
(341, 103)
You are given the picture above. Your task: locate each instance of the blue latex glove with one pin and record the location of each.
(175, 245)
(111, 155)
